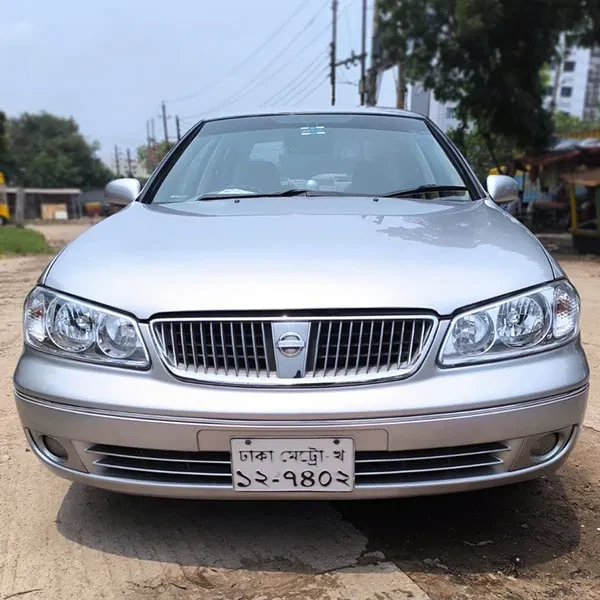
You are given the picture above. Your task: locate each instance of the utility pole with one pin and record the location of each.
(363, 53)
(400, 86)
(152, 146)
(164, 120)
(148, 147)
(333, 49)
(20, 197)
(373, 75)
(353, 59)
(178, 127)
(129, 169)
(117, 165)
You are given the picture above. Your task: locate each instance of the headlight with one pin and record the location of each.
(530, 322)
(61, 325)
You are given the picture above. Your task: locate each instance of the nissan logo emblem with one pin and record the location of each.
(290, 344)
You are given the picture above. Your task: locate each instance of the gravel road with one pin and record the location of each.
(62, 541)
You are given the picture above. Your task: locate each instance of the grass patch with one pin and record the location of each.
(17, 241)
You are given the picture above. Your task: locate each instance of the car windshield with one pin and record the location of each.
(324, 154)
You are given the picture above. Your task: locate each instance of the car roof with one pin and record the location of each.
(323, 110)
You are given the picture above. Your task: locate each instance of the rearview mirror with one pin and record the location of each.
(502, 188)
(122, 191)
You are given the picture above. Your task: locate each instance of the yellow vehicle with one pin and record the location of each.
(4, 215)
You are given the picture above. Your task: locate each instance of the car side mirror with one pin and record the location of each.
(502, 188)
(122, 191)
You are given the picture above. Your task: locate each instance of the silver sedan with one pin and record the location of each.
(316, 304)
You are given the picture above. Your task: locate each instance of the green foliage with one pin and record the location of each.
(475, 149)
(49, 151)
(488, 56)
(4, 154)
(566, 123)
(15, 240)
(584, 22)
(151, 157)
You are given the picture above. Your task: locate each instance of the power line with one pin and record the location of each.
(237, 67)
(313, 89)
(295, 82)
(299, 94)
(307, 81)
(349, 3)
(345, 77)
(258, 78)
(258, 81)
(243, 93)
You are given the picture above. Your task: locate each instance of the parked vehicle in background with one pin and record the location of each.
(228, 335)
(4, 212)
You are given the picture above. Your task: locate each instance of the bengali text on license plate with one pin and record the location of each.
(293, 465)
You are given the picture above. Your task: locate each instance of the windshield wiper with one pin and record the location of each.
(424, 189)
(285, 193)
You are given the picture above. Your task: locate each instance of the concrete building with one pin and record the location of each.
(423, 102)
(591, 109)
(575, 89)
(137, 169)
(569, 82)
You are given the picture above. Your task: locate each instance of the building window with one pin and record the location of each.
(450, 112)
(569, 66)
(566, 92)
(549, 90)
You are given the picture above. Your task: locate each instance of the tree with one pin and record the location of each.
(152, 156)
(584, 23)
(4, 153)
(566, 123)
(487, 56)
(474, 148)
(49, 151)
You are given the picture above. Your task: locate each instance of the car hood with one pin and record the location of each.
(278, 254)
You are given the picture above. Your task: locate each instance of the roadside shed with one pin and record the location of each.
(585, 217)
(48, 203)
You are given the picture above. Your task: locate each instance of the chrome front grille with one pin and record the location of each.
(200, 468)
(413, 466)
(350, 347)
(228, 348)
(371, 468)
(338, 349)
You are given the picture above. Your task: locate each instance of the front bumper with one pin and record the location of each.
(460, 411)
(80, 430)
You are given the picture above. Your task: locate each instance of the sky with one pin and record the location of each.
(110, 63)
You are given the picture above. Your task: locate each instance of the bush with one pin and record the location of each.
(16, 241)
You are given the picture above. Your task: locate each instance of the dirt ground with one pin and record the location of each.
(59, 540)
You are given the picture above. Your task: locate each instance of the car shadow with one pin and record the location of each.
(503, 529)
(296, 537)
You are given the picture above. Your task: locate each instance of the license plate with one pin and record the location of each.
(292, 465)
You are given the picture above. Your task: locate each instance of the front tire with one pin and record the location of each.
(2, 221)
